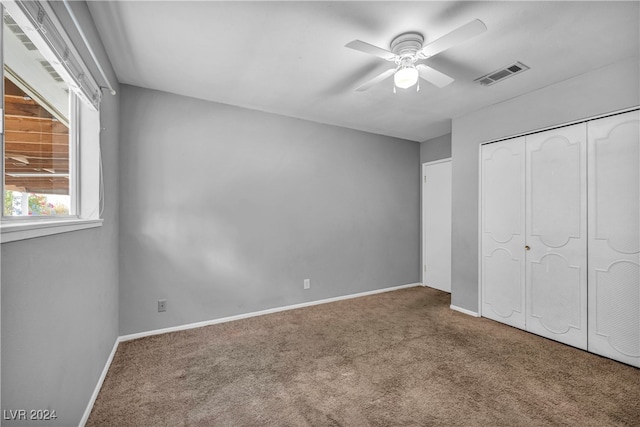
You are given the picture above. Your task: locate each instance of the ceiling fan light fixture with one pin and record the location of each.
(406, 77)
(408, 48)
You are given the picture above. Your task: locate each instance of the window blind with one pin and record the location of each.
(42, 26)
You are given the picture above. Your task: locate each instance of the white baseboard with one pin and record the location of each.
(94, 396)
(259, 313)
(464, 310)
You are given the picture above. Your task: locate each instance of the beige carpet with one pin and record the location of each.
(401, 358)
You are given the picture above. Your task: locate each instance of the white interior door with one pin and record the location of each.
(436, 224)
(614, 237)
(502, 225)
(557, 235)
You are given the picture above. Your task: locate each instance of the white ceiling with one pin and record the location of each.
(289, 57)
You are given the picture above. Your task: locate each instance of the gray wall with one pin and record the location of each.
(226, 210)
(60, 296)
(435, 149)
(604, 90)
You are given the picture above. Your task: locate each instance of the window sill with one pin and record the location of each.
(13, 231)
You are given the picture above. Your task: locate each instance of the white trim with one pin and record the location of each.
(74, 154)
(422, 243)
(12, 231)
(260, 313)
(96, 391)
(480, 222)
(464, 310)
(88, 164)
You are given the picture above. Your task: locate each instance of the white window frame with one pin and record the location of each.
(84, 162)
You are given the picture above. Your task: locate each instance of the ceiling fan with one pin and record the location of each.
(407, 49)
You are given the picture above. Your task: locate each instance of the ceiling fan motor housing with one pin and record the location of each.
(407, 44)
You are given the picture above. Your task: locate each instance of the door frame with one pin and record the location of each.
(480, 174)
(422, 210)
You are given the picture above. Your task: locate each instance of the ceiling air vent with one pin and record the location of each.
(501, 74)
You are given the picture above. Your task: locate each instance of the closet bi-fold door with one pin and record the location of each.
(614, 237)
(556, 235)
(502, 224)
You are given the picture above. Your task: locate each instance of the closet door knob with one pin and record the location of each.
(526, 248)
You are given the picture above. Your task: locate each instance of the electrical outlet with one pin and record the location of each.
(162, 305)
(307, 283)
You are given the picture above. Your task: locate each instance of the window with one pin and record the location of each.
(38, 179)
(51, 144)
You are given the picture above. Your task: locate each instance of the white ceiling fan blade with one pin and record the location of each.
(371, 49)
(376, 80)
(434, 77)
(453, 38)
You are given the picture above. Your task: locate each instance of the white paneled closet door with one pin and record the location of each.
(556, 236)
(503, 215)
(614, 237)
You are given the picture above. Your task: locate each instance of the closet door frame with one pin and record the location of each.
(480, 184)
